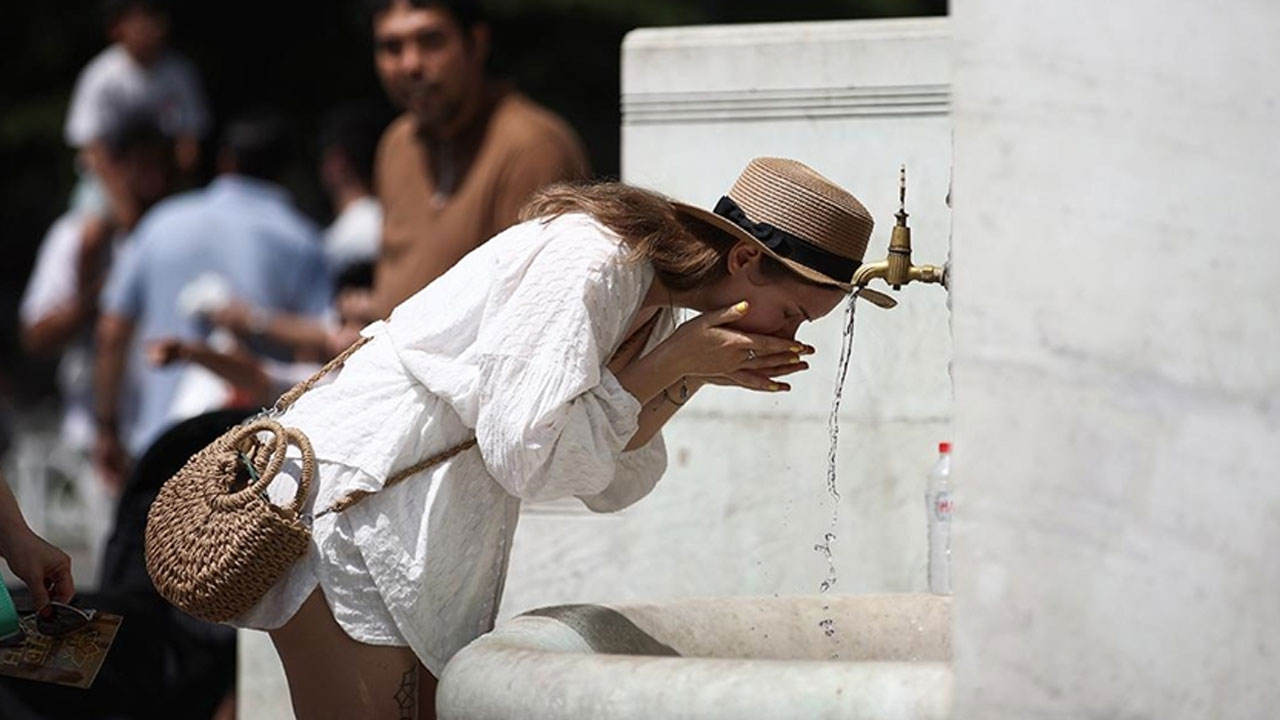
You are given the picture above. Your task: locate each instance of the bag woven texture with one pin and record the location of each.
(215, 544)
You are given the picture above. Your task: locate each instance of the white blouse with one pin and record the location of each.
(509, 346)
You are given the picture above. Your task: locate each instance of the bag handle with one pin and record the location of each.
(267, 465)
(264, 465)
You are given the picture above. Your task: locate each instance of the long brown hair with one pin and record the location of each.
(685, 253)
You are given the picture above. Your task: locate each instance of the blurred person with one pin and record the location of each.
(60, 308)
(467, 153)
(60, 305)
(137, 74)
(238, 237)
(261, 380)
(352, 310)
(348, 143)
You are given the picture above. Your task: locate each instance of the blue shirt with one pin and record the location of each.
(243, 230)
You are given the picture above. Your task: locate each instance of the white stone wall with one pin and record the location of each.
(744, 501)
(1117, 366)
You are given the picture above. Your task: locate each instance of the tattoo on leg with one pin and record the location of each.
(407, 694)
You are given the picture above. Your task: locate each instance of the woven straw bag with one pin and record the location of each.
(215, 543)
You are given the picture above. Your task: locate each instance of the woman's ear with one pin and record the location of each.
(744, 256)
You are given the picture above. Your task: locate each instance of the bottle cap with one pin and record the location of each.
(944, 447)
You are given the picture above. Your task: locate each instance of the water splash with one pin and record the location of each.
(828, 625)
(824, 547)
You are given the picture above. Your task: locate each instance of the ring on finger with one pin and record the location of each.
(751, 354)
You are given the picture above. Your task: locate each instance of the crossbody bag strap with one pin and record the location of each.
(290, 397)
(295, 392)
(356, 496)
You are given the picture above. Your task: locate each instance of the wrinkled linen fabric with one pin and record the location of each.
(509, 346)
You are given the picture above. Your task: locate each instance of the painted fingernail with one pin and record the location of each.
(794, 359)
(740, 307)
(775, 387)
(797, 349)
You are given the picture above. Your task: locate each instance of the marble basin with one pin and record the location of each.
(736, 658)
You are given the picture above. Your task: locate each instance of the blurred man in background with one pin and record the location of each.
(137, 75)
(60, 305)
(468, 152)
(240, 237)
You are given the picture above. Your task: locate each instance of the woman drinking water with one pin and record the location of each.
(555, 346)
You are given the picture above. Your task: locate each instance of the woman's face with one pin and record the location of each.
(777, 305)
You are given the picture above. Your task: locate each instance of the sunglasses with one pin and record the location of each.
(62, 619)
(58, 619)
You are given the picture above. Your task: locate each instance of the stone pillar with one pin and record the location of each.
(1116, 303)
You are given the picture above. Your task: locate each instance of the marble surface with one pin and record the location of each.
(882, 657)
(1117, 369)
(261, 688)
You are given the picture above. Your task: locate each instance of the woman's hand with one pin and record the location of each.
(762, 378)
(706, 351)
(45, 569)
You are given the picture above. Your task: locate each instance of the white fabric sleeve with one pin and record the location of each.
(85, 113)
(551, 420)
(53, 280)
(543, 438)
(638, 472)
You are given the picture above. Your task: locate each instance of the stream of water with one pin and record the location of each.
(833, 433)
(828, 624)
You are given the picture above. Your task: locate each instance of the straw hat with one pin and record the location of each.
(805, 221)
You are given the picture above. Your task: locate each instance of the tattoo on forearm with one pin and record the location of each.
(407, 694)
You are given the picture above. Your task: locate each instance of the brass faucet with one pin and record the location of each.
(897, 270)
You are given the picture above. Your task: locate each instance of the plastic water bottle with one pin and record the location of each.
(938, 506)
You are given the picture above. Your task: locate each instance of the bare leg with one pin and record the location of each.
(332, 676)
(426, 694)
